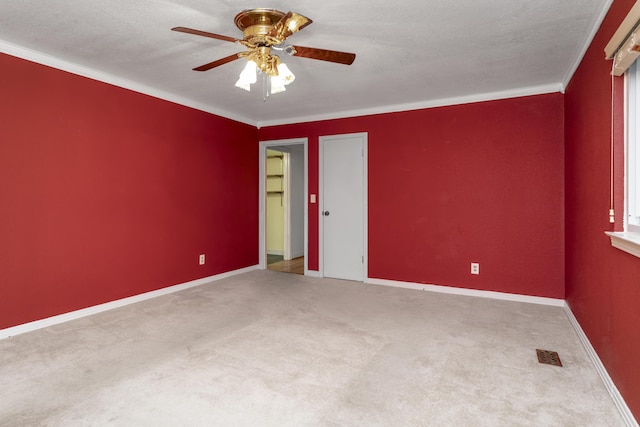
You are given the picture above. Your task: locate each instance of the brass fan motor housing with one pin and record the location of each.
(257, 22)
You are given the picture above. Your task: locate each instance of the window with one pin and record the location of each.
(624, 50)
(629, 240)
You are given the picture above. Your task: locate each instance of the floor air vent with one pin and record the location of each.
(548, 357)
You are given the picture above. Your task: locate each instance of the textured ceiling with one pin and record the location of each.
(410, 54)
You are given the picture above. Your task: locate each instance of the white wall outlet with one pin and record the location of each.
(313, 198)
(475, 268)
(201, 259)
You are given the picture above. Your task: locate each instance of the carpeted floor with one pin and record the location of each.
(274, 349)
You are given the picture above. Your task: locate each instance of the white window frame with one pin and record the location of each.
(629, 240)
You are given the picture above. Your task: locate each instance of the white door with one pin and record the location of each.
(343, 206)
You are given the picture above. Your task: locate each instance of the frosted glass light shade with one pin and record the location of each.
(271, 85)
(277, 84)
(248, 76)
(285, 74)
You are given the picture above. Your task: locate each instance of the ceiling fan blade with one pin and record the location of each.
(204, 34)
(217, 63)
(325, 55)
(289, 24)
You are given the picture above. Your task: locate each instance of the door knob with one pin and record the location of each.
(325, 213)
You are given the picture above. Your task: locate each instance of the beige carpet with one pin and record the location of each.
(276, 349)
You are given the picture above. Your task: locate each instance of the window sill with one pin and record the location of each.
(628, 242)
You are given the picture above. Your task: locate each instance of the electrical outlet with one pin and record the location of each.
(475, 268)
(201, 260)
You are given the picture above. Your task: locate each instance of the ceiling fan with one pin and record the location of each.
(266, 30)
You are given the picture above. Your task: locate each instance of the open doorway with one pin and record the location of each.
(283, 207)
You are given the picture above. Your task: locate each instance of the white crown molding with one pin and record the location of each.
(468, 99)
(468, 292)
(44, 59)
(73, 315)
(618, 400)
(595, 26)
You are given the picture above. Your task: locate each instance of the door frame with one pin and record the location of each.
(286, 200)
(365, 199)
(262, 191)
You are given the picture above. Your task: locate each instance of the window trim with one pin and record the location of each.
(629, 240)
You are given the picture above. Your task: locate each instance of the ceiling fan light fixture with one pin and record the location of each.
(264, 30)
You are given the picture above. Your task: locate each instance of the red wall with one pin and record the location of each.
(106, 193)
(602, 283)
(449, 186)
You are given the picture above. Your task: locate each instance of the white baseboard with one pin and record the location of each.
(468, 292)
(618, 400)
(272, 252)
(72, 315)
(312, 273)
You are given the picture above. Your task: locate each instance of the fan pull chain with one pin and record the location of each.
(266, 89)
